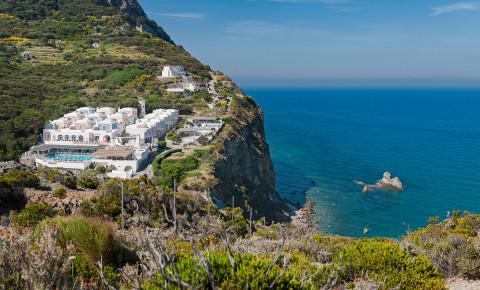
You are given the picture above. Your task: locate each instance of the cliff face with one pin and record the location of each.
(245, 170)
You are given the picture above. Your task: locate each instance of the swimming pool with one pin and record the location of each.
(72, 157)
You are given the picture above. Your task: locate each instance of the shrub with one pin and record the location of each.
(33, 214)
(88, 179)
(251, 272)
(123, 76)
(51, 175)
(25, 177)
(60, 192)
(176, 169)
(87, 208)
(109, 205)
(385, 262)
(11, 191)
(162, 145)
(101, 169)
(92, 238)
(69, 182)
(159, 159)
(452, 245)
(109, 200)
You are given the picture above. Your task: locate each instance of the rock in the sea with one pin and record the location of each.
(388, 182)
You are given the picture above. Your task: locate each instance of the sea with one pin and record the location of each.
(322, 140)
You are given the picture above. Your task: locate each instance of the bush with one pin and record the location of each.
(92, 238)
(33, 214)
(118, 78)
(11, 191)
(176, 169)
(251, 272)
(51, 175)
(452, 245)
(162, 145)
(100, 169)
(24, 177)
(385, 262)
(69, 182)
(88, 179)
(60, 192)
(157, 162)
(87, 208)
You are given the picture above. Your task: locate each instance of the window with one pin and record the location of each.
(80, 138)
(74, 138)
(60, 138)
(67, 138)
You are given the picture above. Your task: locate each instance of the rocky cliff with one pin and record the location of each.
(136, 17)
(245, 170)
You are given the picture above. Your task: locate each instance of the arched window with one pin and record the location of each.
(74, 138)
(60, 137)
(67, 138)
(80, 138)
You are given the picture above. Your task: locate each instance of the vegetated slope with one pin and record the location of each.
(67, 72)
(108, 53)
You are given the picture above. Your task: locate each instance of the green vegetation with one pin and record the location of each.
(60, 192)
(124, 76)
(33, 214)
(69, 73)
(159, 159)
(93, 240)
(24, 178)
(452, 245)
(385, 262)
(69, 182)
(251, 272)
(176, 169)
(88, 179)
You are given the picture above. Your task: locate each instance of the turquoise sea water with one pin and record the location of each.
(323, 139)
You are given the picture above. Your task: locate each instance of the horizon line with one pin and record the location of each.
(360, 82)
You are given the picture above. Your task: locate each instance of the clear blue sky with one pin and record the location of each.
(329, 41)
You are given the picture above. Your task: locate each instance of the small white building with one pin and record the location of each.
(173, 72)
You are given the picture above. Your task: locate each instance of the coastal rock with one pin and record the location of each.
(387, 182)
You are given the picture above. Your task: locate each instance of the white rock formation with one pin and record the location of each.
(388, 182)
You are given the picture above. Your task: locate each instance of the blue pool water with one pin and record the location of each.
(72, 157)
(323, 139)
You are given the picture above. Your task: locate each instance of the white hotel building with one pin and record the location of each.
(117, 139)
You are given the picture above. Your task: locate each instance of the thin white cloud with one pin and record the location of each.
(328, 2)
(340, 5)
(187, 15)
(456, 7)
(253, 28)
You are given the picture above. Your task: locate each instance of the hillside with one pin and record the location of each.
(108, 53)
(223, 226)
(66, 72)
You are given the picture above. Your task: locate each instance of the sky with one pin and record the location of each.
(329, 42)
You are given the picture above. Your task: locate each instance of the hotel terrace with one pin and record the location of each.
(115, 138)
